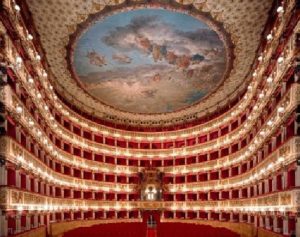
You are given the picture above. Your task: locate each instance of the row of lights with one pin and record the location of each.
(240, 209)
(280, 11)
(257, 175)
(56, 180)
(174, 207)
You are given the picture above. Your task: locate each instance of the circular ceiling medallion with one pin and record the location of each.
(149, 60)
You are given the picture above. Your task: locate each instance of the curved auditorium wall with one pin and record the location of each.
(235, 168)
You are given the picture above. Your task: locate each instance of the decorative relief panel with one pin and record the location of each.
(17, 198)
(3, 196)
(3, 145)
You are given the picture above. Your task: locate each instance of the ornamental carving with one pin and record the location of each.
(33, 199)
(16, 197)
(297, 92)
(3, 196)
(297, 198)
(284, 151)
(16, 149)
(272, 201)
(3, 145)
(297, 144)
(285, 199)
(3, 43)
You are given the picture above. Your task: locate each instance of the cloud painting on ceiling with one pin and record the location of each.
(149, 60)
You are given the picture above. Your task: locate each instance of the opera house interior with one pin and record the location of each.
(181, 145)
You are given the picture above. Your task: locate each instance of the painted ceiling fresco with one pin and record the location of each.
(149, 60)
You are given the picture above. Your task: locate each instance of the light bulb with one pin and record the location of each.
(19, 109)
(30, 80)
(280, 109)
(261, 95)
(269, 37)
(281, 159)
(280, 9)
(19, 59)
(280, 60)
(269, 79)
(29, 37)
(17, 8)
(31, 123)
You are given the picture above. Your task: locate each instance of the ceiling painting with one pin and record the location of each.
(149, 60)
